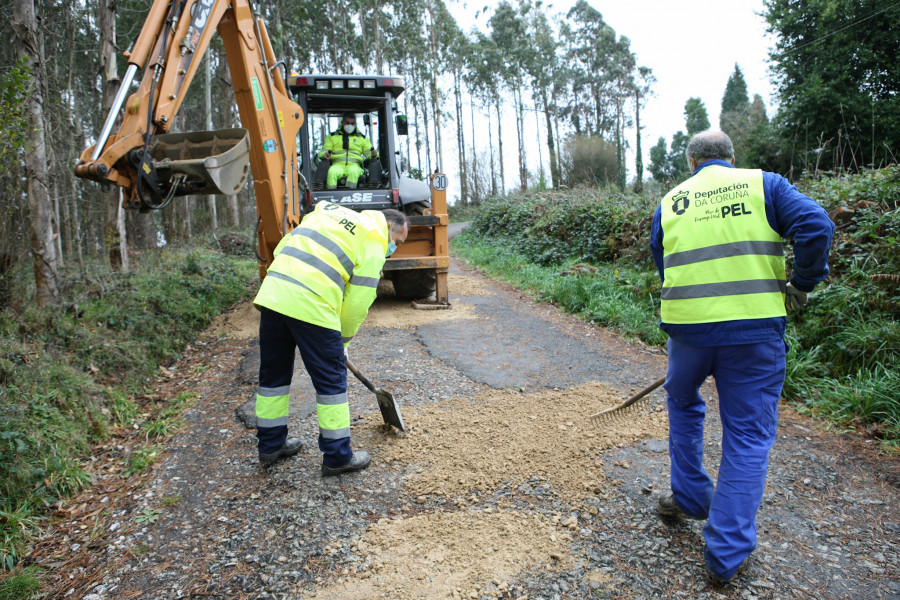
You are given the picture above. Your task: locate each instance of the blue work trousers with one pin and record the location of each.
(322, 352)
(749, 378)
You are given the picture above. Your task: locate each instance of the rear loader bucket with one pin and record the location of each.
(209, 162)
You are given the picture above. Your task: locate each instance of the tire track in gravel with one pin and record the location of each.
(828, 526)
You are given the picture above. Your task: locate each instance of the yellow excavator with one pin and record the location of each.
(154, 166)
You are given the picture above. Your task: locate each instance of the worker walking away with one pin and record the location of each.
(315, 296)
(717, 243)
(347, 149)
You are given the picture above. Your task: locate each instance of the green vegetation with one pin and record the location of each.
(587, 250)
(67, 373)
(846, 363)
(21, 586)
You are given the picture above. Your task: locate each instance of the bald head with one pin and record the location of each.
(709, 145)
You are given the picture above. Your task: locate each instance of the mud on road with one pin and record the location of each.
(502, 489)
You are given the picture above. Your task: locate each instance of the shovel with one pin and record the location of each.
(390, 410)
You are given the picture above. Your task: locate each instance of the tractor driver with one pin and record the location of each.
(347, 148)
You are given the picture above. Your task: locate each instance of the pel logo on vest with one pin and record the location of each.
(681, 202)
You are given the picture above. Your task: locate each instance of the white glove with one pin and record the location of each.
(346, 352)
(795, 298)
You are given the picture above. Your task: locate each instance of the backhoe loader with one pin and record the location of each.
(155, 166)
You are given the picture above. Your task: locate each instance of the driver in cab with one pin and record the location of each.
(347, 149)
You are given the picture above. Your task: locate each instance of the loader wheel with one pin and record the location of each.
(414, 284)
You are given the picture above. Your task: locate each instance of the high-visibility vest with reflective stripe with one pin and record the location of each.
(357, 150)
(722, 261)
(326, 270)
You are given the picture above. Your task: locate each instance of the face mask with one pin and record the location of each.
(392, 247)
(349, 128)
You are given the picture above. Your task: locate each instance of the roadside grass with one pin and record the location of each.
(69, 373)
(588, 251)
(23, 585)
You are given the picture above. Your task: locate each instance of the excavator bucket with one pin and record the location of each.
(203, 162)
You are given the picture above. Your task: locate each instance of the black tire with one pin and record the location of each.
(414, 284)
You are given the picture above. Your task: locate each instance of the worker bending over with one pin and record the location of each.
(717, 242)
(347, 149)
(315, 296)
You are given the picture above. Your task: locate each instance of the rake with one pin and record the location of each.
(619, 412)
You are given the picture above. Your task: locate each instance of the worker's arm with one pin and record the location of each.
(800, 218)
(359, 292)
(367, 149)
(656, 241)
(330, 145)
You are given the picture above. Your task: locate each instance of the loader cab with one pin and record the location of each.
(325, 99)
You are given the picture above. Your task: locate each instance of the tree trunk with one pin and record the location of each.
(115, 237)
(213, 216)
(520, 134)
(379, 58)
(500, 144)
(460, 142)
(435, 98)
(476, 192)
(491, 146)
(638, 159)
(554, 165)
(39, 204)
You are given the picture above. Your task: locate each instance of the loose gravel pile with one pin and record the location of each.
(391, 312)
(462, 285)
(451, 554)
(506, 438)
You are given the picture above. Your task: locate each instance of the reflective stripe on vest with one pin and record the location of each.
(721, 259)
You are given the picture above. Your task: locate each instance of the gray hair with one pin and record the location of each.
(711, 144)
(396, 218)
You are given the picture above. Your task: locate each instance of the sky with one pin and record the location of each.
(691, 47)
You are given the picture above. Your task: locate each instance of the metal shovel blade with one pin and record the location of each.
(390, 409)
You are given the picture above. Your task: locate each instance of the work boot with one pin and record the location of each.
(290, 448)
(668, 507)
(359, 462)
(718, 579)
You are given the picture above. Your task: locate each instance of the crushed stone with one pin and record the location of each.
(451, 555)
(504, 437)
(241, 323)
(462, 285)
(391, 312)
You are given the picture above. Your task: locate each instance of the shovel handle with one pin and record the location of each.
(359, 375)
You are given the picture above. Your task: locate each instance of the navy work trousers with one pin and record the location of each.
(749, 378)
(322, 352)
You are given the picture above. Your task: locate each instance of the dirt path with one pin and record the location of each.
(501, 489)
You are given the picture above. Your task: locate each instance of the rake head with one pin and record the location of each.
(624, 411)
(615, 416)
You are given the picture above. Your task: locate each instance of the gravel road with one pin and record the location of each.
(207, 522)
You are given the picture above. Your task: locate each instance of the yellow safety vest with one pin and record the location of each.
(356, 151)
(326, 270)
(722, 261)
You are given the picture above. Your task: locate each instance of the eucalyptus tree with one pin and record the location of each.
(544, 68)
(591, 52)
(43, 250)
(485, 64)
(508, 31)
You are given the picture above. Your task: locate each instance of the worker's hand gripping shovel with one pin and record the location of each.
(390, 410)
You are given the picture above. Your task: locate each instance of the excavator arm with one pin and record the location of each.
(155, 166)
